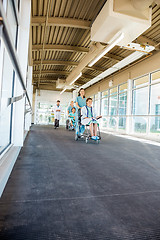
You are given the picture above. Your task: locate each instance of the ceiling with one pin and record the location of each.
(60, 36)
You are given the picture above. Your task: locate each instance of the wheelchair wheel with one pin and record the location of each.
(67, 123)
(76, 137)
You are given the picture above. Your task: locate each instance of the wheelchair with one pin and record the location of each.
(69, 126)
(86, 131)
(88, 134)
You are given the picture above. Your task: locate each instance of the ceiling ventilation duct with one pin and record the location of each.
(60, 83)
(122, 17)
(141, 5)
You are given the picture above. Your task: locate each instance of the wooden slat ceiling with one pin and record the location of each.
(67, 39)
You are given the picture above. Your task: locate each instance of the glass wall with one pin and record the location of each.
(104, 108)
(113, 103)
(142, 109)
(96, 102)
(140, 103)
(7, 81)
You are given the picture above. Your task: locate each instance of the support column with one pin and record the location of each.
(35, 108)
(129, 105)
(99, 103)
(75, 94)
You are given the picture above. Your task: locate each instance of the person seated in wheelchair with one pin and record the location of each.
(89, 118)
(69, 110)
(72, 116)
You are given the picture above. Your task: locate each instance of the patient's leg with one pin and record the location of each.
(91, 129)
(95, 129)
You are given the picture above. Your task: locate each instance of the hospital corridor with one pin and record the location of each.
(79, 120)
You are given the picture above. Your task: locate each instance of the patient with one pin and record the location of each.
(72, 117)
(89, 117)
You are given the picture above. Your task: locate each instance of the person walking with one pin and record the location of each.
(80, 102)
(57, 114)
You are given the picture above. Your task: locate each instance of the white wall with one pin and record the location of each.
(53, 96)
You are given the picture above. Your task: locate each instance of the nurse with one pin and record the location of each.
(69, 110)
(80, 102)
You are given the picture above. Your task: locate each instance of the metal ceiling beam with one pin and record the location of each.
(51, 72)
(54, 62)
(47, 83)
(93, 68)
(64, 48)
(59, 21)
(113, 57)
(88, 76)
(45, 79)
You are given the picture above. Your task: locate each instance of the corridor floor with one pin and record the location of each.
(61, 189)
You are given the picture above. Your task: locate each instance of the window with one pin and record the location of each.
(140, 124)
(96, 102)
(104, 103)
(140, 101)
(140, 104)
(7, 81)
(122, 105)
(113, 104)
(12, 21)
(141, 82)
(155, 77)
(104, 107)
(113, 100)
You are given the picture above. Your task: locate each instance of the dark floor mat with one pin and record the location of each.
(66, 189)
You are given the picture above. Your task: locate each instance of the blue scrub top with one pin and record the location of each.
(70, 109)
(81, 101)
(72, 114)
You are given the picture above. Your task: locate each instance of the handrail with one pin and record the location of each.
(15, 99)
(10, 46)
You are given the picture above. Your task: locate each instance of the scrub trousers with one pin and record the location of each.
(56, 123)
(79, 128)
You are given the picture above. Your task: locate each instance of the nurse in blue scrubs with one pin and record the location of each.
(80, 102)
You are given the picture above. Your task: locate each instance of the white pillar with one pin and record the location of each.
(99, 104)
(22, 50)
(35, 108)
(75, 94)
(129, 105)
